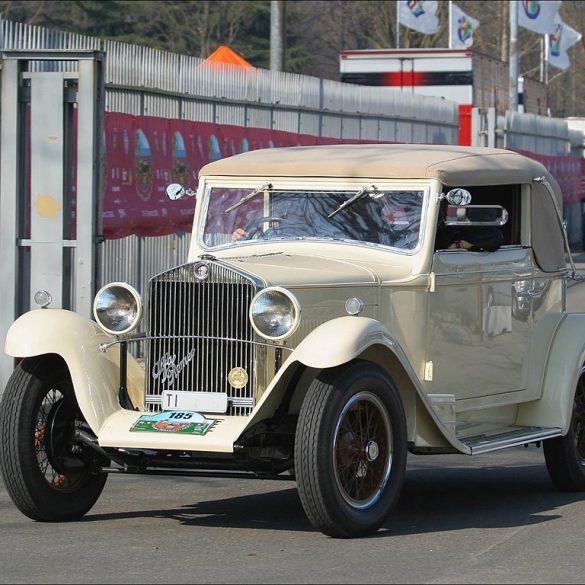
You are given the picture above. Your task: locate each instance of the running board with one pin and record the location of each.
(514, 438)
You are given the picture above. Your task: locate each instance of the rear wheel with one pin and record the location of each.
(565, 456)
(350, 450)
(47, 475)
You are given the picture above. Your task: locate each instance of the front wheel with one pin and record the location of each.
(565, 456)
(46, 474)
(350, 450)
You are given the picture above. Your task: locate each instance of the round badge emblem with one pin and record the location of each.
(201, 271)
(238, 378)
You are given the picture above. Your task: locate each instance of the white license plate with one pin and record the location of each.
(197, 401)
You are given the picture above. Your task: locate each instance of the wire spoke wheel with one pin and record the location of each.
(49, 476)
(565, 456)
(350, 449)
(52, 439)
(362, 450)
(579, 419)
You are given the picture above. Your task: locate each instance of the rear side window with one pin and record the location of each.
(507, 196)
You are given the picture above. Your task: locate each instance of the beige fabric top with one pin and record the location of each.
(453, 166)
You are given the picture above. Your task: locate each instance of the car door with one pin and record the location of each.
(477, 343)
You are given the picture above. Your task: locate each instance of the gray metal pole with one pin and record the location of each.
(573, 92)
(277, 28)
(450, 24)
(513, 56)
(10, 169)
(543, 40)
(546, 58)
(398, 25)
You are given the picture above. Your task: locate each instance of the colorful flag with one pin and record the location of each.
(538, 16)
(420, 15)
(462, 28)
(559, 41)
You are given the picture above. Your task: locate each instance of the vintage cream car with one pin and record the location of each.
(340, 307)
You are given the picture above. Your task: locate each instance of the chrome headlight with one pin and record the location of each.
(275, 313)
(117, 308)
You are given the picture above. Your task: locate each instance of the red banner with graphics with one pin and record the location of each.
(569, 171)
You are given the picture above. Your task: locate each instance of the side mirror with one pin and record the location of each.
(476, 215)
(175, 191)
(458, 197)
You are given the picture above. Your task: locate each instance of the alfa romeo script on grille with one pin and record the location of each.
(167, 370)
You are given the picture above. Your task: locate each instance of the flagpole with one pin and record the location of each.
(513, 59)
(573, 61)
(542, 50)
(546, 57)
(398, 24)
(450, 24)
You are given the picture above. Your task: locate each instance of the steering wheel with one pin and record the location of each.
(254, 227)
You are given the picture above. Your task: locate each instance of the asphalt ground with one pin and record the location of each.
(492, 518)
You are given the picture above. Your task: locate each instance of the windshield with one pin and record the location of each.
(382, 216)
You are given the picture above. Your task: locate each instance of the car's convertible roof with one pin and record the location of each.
(452, 165)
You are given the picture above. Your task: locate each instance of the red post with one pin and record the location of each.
(465, 125)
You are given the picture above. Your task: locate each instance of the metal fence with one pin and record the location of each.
(537, 134)
(144, 81)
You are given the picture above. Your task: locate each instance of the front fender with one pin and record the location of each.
(563, 368)
(338, 342)
(95, 374)
(341, 340)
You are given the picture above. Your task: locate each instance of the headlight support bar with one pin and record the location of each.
(123, 396)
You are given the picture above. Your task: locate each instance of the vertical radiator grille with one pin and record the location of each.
(198, 331)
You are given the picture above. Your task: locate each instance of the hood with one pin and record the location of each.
(297, 270)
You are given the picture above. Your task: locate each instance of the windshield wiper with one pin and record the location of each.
(359, 195)
(249, 196)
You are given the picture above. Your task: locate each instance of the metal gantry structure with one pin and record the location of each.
(52, 105)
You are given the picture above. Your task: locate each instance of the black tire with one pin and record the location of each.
(350, 450)
(565, 456)
(44, 475)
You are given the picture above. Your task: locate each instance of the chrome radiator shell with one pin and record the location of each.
(198, 330)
